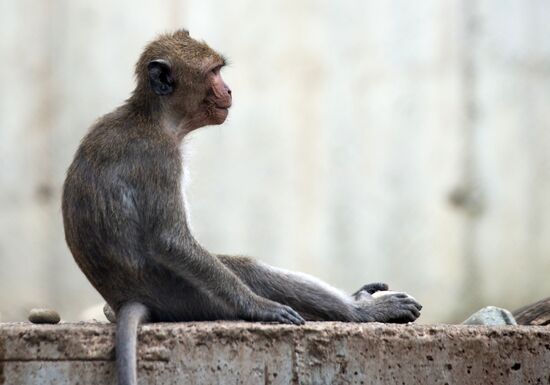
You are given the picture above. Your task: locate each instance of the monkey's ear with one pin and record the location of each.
(160, 77)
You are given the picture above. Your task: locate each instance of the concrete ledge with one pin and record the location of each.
(250, 353)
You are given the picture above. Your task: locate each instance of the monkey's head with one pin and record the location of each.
(181, 76)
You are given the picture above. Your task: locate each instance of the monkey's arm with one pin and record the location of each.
(204, 271)
(177, 250)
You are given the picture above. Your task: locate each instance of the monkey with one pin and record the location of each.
(126, 225)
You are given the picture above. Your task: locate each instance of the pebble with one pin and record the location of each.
(492, 316)
(44, 316)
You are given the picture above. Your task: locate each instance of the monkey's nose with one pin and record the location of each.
(229, 91)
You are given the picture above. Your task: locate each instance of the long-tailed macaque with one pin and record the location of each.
(126, 225)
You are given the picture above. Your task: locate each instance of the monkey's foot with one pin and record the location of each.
(390, 307)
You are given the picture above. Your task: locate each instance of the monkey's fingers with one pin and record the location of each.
(411, 303)
(417, 305)
(287, 315)
(271, 311)
(407, 299)
(409, 310)
(397, 307)
(293, 316)
(408, 314)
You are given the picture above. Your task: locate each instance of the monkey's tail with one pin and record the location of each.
(129, 316)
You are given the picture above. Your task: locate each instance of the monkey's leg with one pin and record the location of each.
(312, 298)
(309, 296)
(315, 300)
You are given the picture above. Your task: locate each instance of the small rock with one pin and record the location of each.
(492, 316)
(109, 313)
(44, 316)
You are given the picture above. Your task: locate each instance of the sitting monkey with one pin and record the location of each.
(125, 218)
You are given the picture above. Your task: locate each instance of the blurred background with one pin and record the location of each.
(398, 141)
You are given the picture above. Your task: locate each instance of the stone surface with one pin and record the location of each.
(491, 316)
(251, 353)
(44, 316)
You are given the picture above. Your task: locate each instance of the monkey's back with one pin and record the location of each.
(105, 207)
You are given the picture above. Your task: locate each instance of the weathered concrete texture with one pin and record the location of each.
(250, 353)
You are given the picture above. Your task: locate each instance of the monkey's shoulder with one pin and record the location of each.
(115, 138)
(112, 156)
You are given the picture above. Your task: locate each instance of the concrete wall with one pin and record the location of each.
(245, 353)
(376, 140)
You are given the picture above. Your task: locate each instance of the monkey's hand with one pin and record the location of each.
(265, 310)
(389, 306)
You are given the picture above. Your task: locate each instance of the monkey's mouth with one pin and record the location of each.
(219, 104)
(218, 109)
(222, 106)
(219, 113)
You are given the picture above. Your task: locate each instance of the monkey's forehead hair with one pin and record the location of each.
(178, 48)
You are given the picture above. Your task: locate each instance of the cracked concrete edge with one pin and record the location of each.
(94, 341)
(251, 353)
